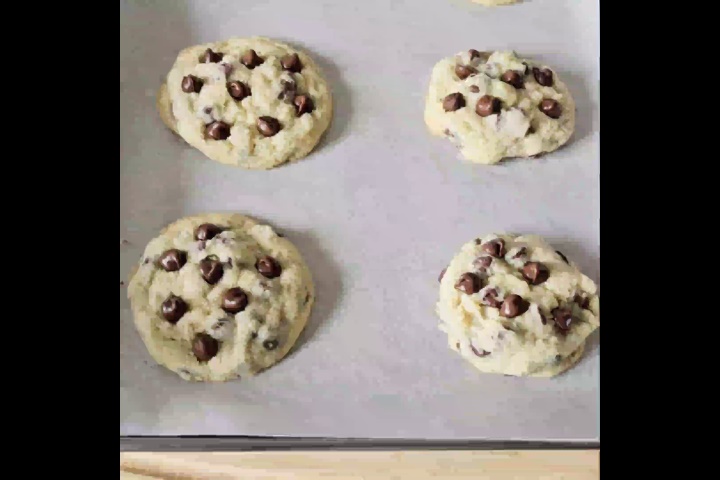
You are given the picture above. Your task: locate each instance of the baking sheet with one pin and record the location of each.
(377, 211)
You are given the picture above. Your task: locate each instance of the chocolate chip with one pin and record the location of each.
(562, 317)
(535, 273)
(487, 105)
(513, 78)
(238, 90)
(490, 298)
(251, 59)
(173, 308)
(289, 90)
(468, 283)
(463, 71)
(211, 270)
(479, 353)
(473, 54)
(522, 251)
(268, 267)
(268, 126)
(495, 247)
(454, 101)
(474, 88)
(582, 300)
(513, 306)
(234, 300)
(172, 260)
(562, 256)
(270, 344)
(457, 345)
(191, 84)
(146, 260)
(207, 231)
(209, 56)
(482, 262)
(442, 274)
(218, 130)
(205, 347)
(291, 63)
(551, 108)
(543, 76)
(253, 335)
(303, 104)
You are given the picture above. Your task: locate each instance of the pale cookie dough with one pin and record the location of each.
(496, 106)
(250, 102)
(219, 296)
(514, 305)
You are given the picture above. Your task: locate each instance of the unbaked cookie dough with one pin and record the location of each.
(250, 102)
(514, 305)
(219, 296)
(496, 105)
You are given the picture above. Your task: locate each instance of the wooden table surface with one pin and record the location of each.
(363, 465)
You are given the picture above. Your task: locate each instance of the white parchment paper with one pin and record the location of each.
(377, 211)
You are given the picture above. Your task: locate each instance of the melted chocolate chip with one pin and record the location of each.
(270, 344)
(495, 247)
(303, 104)
(218, 130)
(562, 317)
(206, 231)
(482, 262)
(268, 126)
(191, 84)
(535, 273)
(172, 260)
(291, 63)
(476, 54)
(582, 300)
(463, 71)
(204, 347)
(209, 56)
(289, 90)
(211, 270)
(543, 76)
(513, 306)
(479, 352)
(173, 308)
(234, 300)
(468, 283)
(238, 90)
(442, 274)
(551, 108)
(522, 251)
(474, 88)
(562, 256)
(454, 101)
(491, 298)
(251, 59)
(268, 267)
(487, 105)
(513, 78)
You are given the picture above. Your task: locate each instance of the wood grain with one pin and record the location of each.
(415, 465)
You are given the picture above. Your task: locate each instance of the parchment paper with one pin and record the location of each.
(377, 211)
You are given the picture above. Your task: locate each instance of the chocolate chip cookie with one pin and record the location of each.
(219, 296)
(496, 105)
(250, 102)
(514, 305)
